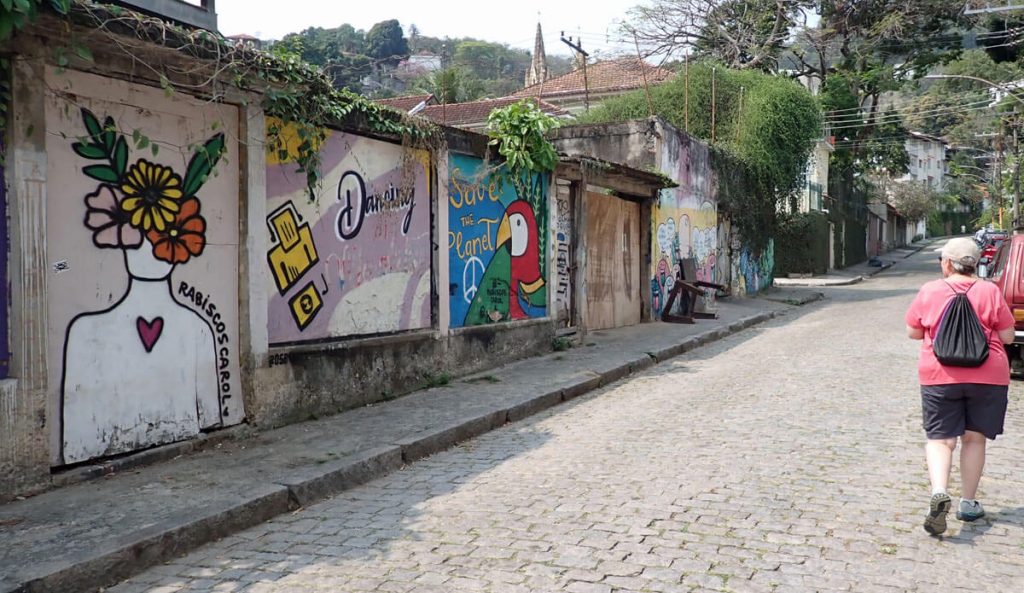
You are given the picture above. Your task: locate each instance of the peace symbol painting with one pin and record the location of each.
(142, 229)
(497, 247)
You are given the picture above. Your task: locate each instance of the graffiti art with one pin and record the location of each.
(145, 370)
(355, 258)
(497, 244)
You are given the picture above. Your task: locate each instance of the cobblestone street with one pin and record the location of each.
(788, 457)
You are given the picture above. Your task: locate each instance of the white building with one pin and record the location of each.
(927, 160)
(927, 165)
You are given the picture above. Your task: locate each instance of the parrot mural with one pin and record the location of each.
(496, 252)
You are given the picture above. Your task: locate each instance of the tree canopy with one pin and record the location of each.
(386, 41)
(765, 127)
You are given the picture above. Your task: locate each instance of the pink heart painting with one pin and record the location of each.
(149, 331)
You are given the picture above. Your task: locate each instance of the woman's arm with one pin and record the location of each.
(1007, 335)
(917, 333)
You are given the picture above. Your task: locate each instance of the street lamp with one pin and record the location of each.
(1016, 145)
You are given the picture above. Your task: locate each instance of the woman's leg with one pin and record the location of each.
(939, 454)
(972, 462)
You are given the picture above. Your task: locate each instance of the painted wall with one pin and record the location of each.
(355, 259)
(142, 293)
(497, 254)
(5, 353)
(563, 254)
(685, 218)
(753, 273)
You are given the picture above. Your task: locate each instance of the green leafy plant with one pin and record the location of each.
(431, 381)
(16, 14)
(763, 131)
(561, 344)
(518, 130)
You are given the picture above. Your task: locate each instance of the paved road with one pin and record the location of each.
(786, 458)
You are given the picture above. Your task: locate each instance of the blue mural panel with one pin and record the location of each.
(497, 246)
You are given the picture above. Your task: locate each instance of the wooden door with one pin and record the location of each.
(613, 262)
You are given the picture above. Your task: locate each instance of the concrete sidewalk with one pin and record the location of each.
(93, 534)
(856, 273)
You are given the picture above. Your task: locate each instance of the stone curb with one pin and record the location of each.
(819, 283)
(309, 485)
(157, 544)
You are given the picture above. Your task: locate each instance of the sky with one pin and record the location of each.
(592, 22)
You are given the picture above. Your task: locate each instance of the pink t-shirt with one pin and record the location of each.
(993, 312)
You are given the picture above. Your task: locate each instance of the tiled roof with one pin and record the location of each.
(407, 102)
(612, 75)
(457, 114)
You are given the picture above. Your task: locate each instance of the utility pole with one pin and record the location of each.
(686, 92)
(999, 177)
(713, 69)
(1016, 171)
(577, 47)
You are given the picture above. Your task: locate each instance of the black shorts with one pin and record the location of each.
(949, 410)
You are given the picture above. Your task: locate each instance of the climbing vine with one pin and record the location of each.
(762, 132)
(519, 133)
(298, 98)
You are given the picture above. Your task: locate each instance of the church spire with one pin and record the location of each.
(538, 71)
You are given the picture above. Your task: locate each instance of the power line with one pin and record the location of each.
(893, 113)
(882, 120)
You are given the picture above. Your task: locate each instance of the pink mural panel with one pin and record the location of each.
(355, 258)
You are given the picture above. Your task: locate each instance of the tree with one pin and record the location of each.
(414, 38)
(451, 85)
(739, 33)
(386, 41)
(914, 200)
(934, 111)
(348, 71)
(862, 50)
(764, 130)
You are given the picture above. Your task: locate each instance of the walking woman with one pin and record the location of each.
(968, 403)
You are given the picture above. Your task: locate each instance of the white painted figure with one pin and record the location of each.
(140, 373)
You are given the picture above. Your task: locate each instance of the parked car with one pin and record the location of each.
(989, 245)
(1006, 269)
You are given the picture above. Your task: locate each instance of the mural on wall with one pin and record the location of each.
(356, 258)
(563, 234)
(685, 220)
(754, 274)
(497, 246)
(149, 345)
(4, 353)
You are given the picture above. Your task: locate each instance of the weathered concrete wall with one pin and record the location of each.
(355, 259)
(24, 443)
(303, 383)
(685, 217)
(633, 143)
(686, 220)
(327, 376)
(150, 301)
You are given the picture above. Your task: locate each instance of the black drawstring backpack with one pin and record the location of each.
(960, 340)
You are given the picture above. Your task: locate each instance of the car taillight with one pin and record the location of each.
(1018, 314)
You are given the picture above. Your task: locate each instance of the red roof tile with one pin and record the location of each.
(458, 114)
(407, 102)
(612, 75)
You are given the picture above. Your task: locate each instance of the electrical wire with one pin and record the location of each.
(893, 114)
(898, 118)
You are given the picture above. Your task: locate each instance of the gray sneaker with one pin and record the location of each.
(935, 522)
(969, 511)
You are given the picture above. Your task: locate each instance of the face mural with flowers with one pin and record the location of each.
(110, 400)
